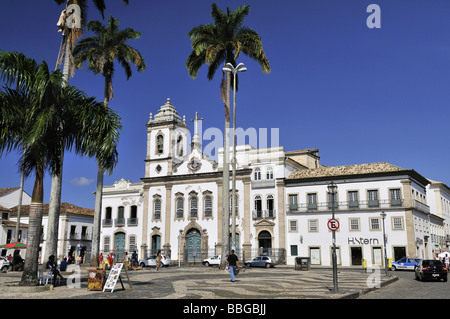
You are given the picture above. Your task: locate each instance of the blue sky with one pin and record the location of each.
(359, 95)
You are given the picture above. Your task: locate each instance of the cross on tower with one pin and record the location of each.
(196, 122)
(196, 138)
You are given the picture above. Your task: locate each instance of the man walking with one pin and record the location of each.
(233, 264)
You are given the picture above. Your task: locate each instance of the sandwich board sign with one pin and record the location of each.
(114, 276)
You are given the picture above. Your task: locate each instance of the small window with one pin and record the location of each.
(397, 223)
(354, 224)
(375, 224)
(313, 225)
(294, 250)
(292, 225)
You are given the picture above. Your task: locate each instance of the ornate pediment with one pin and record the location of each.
(264, 223)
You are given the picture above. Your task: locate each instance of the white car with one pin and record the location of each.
(151, 261)
(4, 263)
(212, 261)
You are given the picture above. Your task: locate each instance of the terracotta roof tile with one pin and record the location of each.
(4, 191)
(65, 208)
(357, 169)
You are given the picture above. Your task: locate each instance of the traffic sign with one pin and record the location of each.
(333, 224)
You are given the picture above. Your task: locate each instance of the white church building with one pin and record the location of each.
(282, 204)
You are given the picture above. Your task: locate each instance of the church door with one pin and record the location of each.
(265, 243)
(156, 244)
(193, 245)
(119, 245)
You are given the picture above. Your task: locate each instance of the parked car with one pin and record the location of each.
(151, 261)
(431, 269)
(405, 264)
(260, 261)
(212, 261)
(4, 263)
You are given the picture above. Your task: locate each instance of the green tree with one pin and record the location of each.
(65, 58)
(100, 52)
(38, 117)
(217, 44)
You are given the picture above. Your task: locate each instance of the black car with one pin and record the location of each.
(431, 269)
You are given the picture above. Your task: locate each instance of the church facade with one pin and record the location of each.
(282, 204)
(176, 208)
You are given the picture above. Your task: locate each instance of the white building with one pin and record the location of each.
(282, 204)
(74, 231)
(364, 192)
(9, 198)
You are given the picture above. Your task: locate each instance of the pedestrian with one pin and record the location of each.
(63, 265)
(100, 259)
(447, 261)
(232, 264)
(110, 260)
(134, 259)
(158, 260)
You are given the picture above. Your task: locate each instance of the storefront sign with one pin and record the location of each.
(363, 241)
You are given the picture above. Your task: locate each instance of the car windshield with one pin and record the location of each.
(432, 263)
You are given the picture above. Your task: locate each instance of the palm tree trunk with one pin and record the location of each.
(96, 229)
(226, 179)
(19, 208)
(29, 275)
(51, 247)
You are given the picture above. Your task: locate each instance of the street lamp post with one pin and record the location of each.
(332, 189)
(383, 216)
(234, 70)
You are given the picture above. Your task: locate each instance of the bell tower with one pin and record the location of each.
(167, 138)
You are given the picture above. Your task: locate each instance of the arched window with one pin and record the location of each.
(106, 244)
(132, 243)
(258, 206)
(159, 144)
(193, 206)
(108, 214)
(257, 174)
(236, 201)
(180, 145)
(269, 173)
(157, 209)
(270, 206)
(208, 206)
(180, 208)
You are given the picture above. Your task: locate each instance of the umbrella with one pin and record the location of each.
(16, 245)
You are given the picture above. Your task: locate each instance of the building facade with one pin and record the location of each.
(282, 204)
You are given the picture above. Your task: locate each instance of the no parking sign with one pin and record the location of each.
(333, 224)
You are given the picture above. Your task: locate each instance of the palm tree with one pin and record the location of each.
(31, 118)
(70, 36)
(216, 44)
(100, 51)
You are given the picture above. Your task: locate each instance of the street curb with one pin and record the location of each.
(365, 291)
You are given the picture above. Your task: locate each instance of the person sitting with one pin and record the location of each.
(51, 266)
